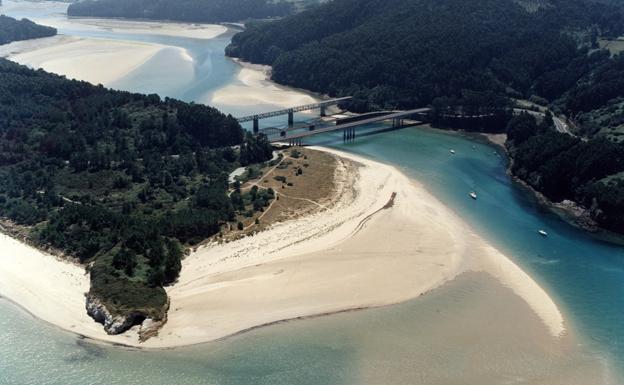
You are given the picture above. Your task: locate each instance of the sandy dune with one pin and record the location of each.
(356, 254)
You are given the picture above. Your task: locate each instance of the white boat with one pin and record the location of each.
(473, 195)
(452, 151)
(542, 233)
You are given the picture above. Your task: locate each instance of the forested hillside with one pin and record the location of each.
(121, 181)
(207, 11)
(405, 53)
(15, 30)
(563, 167)
(473, 57)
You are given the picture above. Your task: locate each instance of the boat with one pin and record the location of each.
(542, 233)
(473, 195)
(452, 151)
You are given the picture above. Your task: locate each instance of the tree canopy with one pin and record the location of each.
(118, 179)
(207, 11)
(406, 53)
(15, 30)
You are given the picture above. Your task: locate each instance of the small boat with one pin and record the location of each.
(452, 151)
(542, 233)
(473, 195)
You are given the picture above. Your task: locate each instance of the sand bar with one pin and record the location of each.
(355, 255)
(186, 30)
(97, 61)
(56, 16)
(255, 88)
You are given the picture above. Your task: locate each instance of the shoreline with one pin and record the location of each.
(470, 253)
(568, 211)
(254, 87)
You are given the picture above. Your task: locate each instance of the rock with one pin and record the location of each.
(112, 324)
(149, 329)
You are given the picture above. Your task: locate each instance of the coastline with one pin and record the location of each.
(569, 211)
(364, 256)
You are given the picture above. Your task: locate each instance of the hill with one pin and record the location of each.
(205, 11)
(15, 30)
(474, 57)
(121, 182)
(406, 53)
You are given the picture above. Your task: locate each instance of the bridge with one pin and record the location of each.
(294, 136)
(291, 112)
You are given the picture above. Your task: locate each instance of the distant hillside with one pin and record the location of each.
(403, 53)
(473, 57)
(207, 11)
(15, 30)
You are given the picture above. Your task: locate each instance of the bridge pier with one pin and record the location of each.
(256, 125)
(397, 122)
(323, 111)
(348, 134)
(295, 142)
(291, 118)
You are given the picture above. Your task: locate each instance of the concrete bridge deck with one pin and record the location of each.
(286, 135)
(322, 105)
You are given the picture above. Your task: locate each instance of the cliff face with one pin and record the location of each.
(112, 324)
(118, 324)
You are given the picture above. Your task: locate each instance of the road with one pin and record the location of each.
(560, 125)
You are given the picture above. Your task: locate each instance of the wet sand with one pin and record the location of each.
(97, 61)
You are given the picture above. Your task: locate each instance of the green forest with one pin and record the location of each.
(565, 167)
(404, 53)
(120, 181)
(473, 58)
(207, 11)
(15, 30)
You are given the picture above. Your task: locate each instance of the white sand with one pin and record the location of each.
(97, 61)
(255, 88)
(49, 288)
(187, 30)
(336, 260)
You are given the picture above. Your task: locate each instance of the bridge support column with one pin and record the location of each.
(291, 118)
(348, 134)
(323, 112)
(256, 125)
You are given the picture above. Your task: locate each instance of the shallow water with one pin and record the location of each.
(585, 277)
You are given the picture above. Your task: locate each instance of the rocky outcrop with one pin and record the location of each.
(150, 328)
(113, 324)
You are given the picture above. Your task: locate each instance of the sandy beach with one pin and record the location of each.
(49, 288)
(255, 88)
(187, 30)
(359, 253)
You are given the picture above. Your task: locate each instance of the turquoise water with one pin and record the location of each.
(585, 276)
